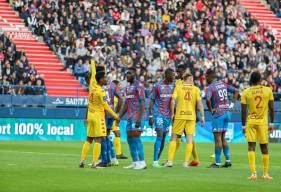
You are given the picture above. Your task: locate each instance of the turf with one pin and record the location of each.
(53, 166)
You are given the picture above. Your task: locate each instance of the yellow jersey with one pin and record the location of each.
(187, 96)
(97, 100)
(179, 82)
(257, 98)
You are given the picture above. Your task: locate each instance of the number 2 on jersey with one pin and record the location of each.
(259, 99)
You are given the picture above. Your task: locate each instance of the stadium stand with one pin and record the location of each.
(154, 35)
(275, 6)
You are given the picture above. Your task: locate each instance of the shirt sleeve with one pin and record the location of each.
(93, 80)
(106, 105)
(230, 88)
(153, 92)
(209, 93)
(243, 98)
(117, 92)
(141, 92)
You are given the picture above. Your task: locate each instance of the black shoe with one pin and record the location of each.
(226, 165)
(103, 164)
(214, 166)
(122, 156)
(81, 165)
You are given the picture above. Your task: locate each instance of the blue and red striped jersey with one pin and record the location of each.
(134, 94)
(111, 92)
(217, 93)
(162, 96)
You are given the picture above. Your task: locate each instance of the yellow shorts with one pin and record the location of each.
(256, 133)
(180, 126)
(96, 125)
(114, 127)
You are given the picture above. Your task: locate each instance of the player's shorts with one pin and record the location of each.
(220, 124)
(131, 126)
(162, 123)
(109, 123)
(180, 126)
(96, 125)
(114, 127)
(256, 133)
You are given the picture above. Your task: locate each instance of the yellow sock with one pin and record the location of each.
(172, 150)
(194, 152)
(96, 152)
(252, 161)
(178, 143)
(117, 145)
(188, 151)
(265, 163)
(85, 150)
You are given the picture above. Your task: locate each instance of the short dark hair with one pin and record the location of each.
(255, 77)
(182, 66)
(100, 68)
(100, 75)
(132, 69)
(211, 73)
(116, 82)
(169, 70)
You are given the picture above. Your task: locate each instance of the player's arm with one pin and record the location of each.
(124, 110)
(200, 107)
(151, 105)
(174, 102)
(107, 107)
(142, 105)
(120, 99)
(271, 112)
(93, 76)
(234, 95)
(208, 99)
(243, 111)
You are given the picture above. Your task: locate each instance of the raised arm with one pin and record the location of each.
(93, 76)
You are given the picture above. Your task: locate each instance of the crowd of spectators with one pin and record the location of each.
(275, 5)
(17, 76)
(152, 35)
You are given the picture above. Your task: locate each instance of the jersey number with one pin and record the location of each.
(259, 99)
(187, 96)
(223, 94)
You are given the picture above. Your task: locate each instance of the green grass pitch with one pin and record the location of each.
(53, 166)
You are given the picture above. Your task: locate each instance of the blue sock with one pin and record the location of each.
(140, 149)
(107, 149)
(103, 155)
(133, 149)
(157, 148)
(218, 155)
(162, 146)
(110, 148)
(226, 153)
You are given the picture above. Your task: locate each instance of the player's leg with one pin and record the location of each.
(195, 162)
(162, 144)
(190, 131)
(141, 164)
(117, 144)
(112, 156)
(225, 146)
(157, 148)
(226, 151)
(177, 129)
(96, 152)
(252, 160)
(104, 156)
(132, 145)
(85, 150)
(263, 140)
(159, 124)
(218, 150)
